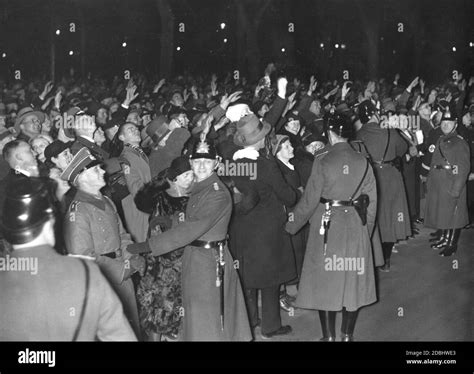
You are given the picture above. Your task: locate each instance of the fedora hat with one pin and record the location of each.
(250, 130)
(26, 112)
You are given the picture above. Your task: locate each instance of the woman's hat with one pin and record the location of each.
(178, 166)
(250, 130)
(279, 140)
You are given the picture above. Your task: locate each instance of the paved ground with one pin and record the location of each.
(425, 297)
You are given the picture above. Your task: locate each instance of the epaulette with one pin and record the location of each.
(320, 154)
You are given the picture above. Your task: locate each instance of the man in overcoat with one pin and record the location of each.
(338, 268)
(386, 147)
(213, 301)
(446, 203)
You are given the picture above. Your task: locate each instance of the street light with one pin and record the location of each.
(178, 48)
(58, 32)
(124, 44)
(4, 55)
(225, 40)
(71, 53)
(337, 46)
(343, 46)
(322, 45)
(222, 26)
(283, 50)
(454, 49)
(471, 44)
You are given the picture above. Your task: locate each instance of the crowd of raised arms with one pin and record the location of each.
(147, 177)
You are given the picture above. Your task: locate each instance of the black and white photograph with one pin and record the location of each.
(241, 171)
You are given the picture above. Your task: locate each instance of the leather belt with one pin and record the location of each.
(208, 245)
(336, 202)
(391, 162)
(441, 167)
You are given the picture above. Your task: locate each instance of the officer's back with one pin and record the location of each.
(43, 293)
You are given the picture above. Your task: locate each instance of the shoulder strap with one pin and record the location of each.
(386, 147)
(361, 181)
(84, 302)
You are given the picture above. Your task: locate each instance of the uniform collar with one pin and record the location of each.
(85, 197)
(450, 136)
(200, 186)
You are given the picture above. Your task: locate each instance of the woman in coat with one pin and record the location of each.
(213, 302)
(159, 291)
(260, 245)
(283, 151)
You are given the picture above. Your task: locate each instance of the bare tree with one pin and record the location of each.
(166, 37)
(249, 16)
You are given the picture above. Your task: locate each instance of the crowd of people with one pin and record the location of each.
(158, 211)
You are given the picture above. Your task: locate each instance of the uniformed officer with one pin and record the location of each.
(340, 202)
(93, 228)
(386, 147)
(46, 296)
(446, 203)
(213, 302)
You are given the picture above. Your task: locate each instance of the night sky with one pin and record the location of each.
(430, 28)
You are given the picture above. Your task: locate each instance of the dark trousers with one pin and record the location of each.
(271, 320)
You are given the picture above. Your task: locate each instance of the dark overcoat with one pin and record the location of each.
(393, 215)
(325, 284)
(258, 237)
(446, 202)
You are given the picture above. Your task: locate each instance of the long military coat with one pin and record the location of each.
(446, 202)
(393, 215)
(207, 218)
(92, 227)
(344, 275)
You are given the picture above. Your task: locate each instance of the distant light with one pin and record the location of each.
(283, 49)
(222, 26)
(454, 49)
(471, 44)
(343, 46)
(124, 44)
(381, 38)
(4, 55)
(322, 45)
(394, 51)
(58, 32)
(225, 40)
(71, 53)
(337, 46)
(178, 48)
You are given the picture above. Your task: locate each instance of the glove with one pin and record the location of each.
(137, 248)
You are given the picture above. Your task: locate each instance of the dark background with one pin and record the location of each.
(368, 28)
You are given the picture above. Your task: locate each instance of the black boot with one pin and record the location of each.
(387, 253)
(348, 325)
(452, 245)
(443, 240)
(435, 235)
(328, 325)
